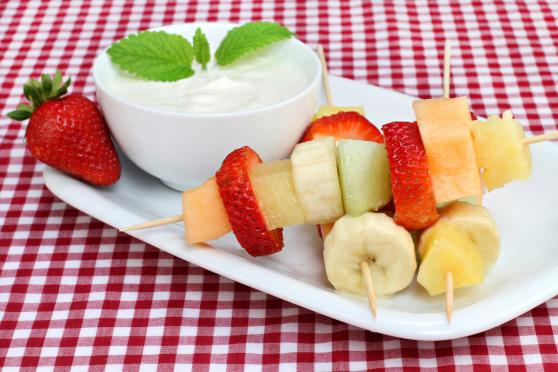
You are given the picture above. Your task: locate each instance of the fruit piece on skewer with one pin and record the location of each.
(316, 181)
(274, 187)
(330, 108)
(445, 250)
(475, 222)
(501, 152)
(444, 125)
(375, 239)
(343, 125)
(415, 207)
(457, 250)
(327, 110)
(205, 217)
(364, 176)
(243, 209)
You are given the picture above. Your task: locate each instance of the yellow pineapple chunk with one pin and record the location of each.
(274, 188)
(500, 150)
(326, 110)
(449, 250)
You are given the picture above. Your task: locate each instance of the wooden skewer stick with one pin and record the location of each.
(447, 60)
(325, 76)
(541, 138)
(154, 223)
(369, 287)
(371, 294)
(449, 296)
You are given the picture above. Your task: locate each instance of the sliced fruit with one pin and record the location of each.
(343, 125)
(205, 217)
(500, 150)
(243, 209)
(364, 176)
(274, 188)
(316, 181)
(444, 125)
(476, 223)
(447, 249)
(376, 239)
(415, 206)
(327, 110)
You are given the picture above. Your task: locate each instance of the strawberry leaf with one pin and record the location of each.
(154, 55)
(19, 115)
(247, 38)
(201, 48)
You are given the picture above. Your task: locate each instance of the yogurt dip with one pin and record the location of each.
(269, 76)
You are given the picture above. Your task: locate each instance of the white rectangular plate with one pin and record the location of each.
(524, 276)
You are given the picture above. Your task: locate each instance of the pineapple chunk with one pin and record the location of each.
(274, 188)
(326, 110)
(449, 250)
(500, 150)
(475, 222)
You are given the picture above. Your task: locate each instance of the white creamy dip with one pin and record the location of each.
(262, 79)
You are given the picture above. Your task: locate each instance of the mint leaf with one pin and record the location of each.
(247, 38)
(154, 55)
(201, 48)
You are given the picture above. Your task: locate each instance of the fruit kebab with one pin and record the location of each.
(365, 186)
(463, 157)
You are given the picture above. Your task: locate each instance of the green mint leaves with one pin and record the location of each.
(201, 48)
(154, 55)
(160, 56)
(248, 38)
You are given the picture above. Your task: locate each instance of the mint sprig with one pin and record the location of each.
(154, 55)
(248, 38)
(160, 56)
(201, 48)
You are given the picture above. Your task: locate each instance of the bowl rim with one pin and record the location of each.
(308, 88)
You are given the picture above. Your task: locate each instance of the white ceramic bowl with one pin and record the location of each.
(183, 149)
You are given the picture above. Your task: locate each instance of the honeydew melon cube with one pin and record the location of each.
(364, 176)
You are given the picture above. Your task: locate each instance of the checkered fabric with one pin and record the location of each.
(75, 292)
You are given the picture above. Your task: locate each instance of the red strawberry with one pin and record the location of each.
(473, 116)
(242, 206)
(68, 133)
(343, 125)
(415, 206)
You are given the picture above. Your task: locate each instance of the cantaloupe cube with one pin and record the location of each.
(444, 125)
(500, 150)
(205, 217)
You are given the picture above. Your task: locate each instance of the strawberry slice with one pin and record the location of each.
(242, 207)
(415, 206)
(343, 125)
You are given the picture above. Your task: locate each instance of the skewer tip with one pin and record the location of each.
(449, 296)
(371, 294)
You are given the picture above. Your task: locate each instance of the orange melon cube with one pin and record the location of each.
(444, 125)
(205, 217)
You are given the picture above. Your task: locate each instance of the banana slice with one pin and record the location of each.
(375, 238)
(316, 182)
(476, 223)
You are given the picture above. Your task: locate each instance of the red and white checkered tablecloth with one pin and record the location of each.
(75, 292)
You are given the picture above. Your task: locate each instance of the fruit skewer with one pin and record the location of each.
(496, 174)
(364, 265)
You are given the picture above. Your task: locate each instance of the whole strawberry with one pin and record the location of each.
(67, 132)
